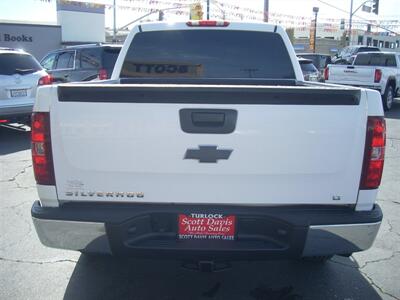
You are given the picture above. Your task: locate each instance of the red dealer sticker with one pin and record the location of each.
(206, 227)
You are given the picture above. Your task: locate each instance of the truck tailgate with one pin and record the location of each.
(289, 145)
(351, 75)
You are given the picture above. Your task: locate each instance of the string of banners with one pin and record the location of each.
(218, 10)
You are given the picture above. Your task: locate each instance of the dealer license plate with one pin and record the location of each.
(206, 227)
(19, 93)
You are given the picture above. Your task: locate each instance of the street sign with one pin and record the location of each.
(366, 8)
(196, 11)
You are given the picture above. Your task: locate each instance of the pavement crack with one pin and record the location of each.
(23, 187)
(379, 260)
(378, 287)
(390, 200)
(37, 262)
(17, 205)
(19, 173)
(391, 228)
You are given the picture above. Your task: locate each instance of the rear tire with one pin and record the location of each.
(388, 98)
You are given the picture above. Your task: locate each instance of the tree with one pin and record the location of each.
(343, 39)
(290, 33)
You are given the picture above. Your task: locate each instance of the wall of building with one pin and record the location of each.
(33, 38)
(385, 42)
(324, 46)
(358, 37)
(81, 22)
(323, 31)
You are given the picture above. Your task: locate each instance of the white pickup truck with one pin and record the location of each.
(204, 147)
(374, 70)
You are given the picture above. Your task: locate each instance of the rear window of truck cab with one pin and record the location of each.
(207, 54)
(375, 59)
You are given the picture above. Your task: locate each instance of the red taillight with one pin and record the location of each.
(208, 23)
(374, 155)
(3, 121)
(41, 149)
(326, 73)
(103, 74)
(48, 79)
(378, 75)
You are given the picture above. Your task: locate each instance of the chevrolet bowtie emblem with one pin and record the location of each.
(208, 154)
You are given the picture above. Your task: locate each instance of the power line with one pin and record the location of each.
(369, 21)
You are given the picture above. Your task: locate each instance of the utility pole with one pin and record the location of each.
(208, 9)
(314, 37)
(375, 8)
(266, 10)
(350, 20)
(316, 10)
(115, 22)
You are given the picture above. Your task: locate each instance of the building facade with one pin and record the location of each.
(77, 23)
(37, 39)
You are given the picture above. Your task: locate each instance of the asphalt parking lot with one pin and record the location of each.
(29, 270)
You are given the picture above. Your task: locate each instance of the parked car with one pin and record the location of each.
(82, 63)
(20, 75)
(374, 70)
(198, 152)
(310, 72)
(347, 54)
(320, 61)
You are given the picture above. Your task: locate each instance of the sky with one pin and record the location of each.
(38, 11)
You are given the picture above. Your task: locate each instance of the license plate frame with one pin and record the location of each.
(17, 93)
(206, 226)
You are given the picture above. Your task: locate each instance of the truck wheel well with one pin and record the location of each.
(392, 82)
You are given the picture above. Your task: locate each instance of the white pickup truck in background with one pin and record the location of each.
(204, 147)
(374, 70)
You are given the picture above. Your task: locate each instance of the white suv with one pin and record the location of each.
(20, 75)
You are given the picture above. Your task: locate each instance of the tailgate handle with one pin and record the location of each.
(208, 120)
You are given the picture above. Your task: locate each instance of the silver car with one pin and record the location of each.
(310, 72)
(20, 75)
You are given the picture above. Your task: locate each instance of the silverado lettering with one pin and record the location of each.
(105, 194)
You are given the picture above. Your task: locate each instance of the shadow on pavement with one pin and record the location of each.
(394, 113)
(112, 278)
(13, 140)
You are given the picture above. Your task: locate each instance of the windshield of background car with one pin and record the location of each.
(345, 52)
(308, 67)
(316, 61)
(110, 56)
(367, 49)
(208, 54)
(17, 63)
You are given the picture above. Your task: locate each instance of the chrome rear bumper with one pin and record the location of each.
(340, 239)
(134, 232)
(72, 235)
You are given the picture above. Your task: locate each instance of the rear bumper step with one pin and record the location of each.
(150, 230)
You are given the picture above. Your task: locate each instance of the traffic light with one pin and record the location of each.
(160, 15)
(375, 6)
(342, 24)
